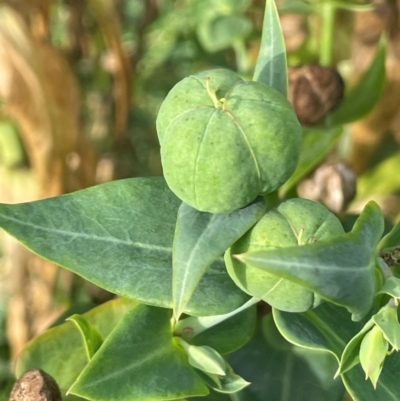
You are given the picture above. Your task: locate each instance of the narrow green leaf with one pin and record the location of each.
(61, 352)
(315, 146)
(200, 238)
(90, 334)
(340, 270)
(206, 359)
(391, 287)
(380, 181)
(271, 66)
(140, 359)
(351, 354)
(118, 235)
(373, 351)
(386, 319)
(363, 97)
(196, 325)
(231, 383)
(392, 239)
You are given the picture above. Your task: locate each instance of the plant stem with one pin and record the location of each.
(327, 13)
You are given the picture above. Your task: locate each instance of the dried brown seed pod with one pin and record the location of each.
(35, 385)
(334, 185)
(314, 91)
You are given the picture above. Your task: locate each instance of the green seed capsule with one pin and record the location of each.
(225, 141)
(295, 222)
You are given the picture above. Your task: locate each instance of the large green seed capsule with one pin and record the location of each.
(225, 141)
(295, 222)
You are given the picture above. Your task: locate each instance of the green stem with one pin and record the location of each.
(327, 14)
(242, 59)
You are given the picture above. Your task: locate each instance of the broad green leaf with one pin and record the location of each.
(326, 328)
(60, 351)
(363, 97)
(218, 32)
(200, 238)
(140, 358)
(278, 372)
(91, 336)
(391, 287)
(373, 351)
(387, 389)
(271, 66)
(316, 144)
(392, 239)
(386, 319)
(340, 270)
(118, 235)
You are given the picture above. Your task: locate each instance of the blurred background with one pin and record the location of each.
(81, 82)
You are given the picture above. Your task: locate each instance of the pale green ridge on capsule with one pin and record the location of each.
(225, 141)
(294, 222)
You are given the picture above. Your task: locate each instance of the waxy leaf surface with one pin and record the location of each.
(140, 359)
(91, 336)
(326, 328)
(278, 371)
(200, 238)
(271, 67)
(118, 235)
(340, 270)
(387, 389)
(61, 351)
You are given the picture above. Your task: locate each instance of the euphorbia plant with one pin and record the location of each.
(193, 254)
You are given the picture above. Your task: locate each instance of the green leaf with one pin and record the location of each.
(271, 66)
(387, 389)
(386, 319)
(91, 336)
(219, 32)
(229, 335)
(373, 351)
(140, 358)
(392, 239)
(315, 146)
(380, 181)
(231, 383)
(118, 235)
(200, 238)
(340, 270)
(351, 354)
(363, 97)
(281, 372)
(206, 359)
(326, 328)
(391, 287)
(61, 352)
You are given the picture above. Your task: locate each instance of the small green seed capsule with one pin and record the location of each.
(295, 222)
(225, 141)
